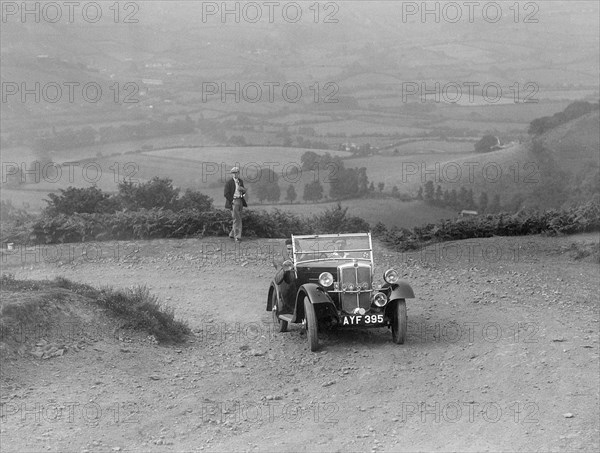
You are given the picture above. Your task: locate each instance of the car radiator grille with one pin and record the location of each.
(355, 274)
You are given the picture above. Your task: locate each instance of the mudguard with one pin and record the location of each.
(316, 294)
(272, 288)
(400, 290)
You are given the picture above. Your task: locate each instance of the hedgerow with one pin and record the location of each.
(160, 223)
(581, 219)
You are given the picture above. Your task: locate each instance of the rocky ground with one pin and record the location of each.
(501, 355)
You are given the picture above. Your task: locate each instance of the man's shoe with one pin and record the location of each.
(238, 240)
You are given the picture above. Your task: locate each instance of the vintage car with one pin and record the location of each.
(327, 281)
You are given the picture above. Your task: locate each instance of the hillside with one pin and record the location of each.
(572, 155)
(575, 145)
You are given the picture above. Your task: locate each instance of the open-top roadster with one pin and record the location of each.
(327, 281)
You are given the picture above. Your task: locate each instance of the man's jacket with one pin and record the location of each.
(230, 191)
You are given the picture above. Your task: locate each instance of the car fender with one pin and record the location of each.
(272, 288)
(400, 290)
(315, 294)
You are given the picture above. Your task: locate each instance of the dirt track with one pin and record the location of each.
(501, 355)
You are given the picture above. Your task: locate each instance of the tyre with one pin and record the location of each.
(283, 325)
(310, 324)
(399, 322)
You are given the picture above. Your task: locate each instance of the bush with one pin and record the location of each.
(156, 193)
(77, 200)
(335, 220)
(192, 199)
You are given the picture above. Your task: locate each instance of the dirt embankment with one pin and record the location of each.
(501, 355)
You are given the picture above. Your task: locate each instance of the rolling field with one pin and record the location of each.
(244, 155)
(387, 210)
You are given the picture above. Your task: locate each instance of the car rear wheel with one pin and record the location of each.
(283, 325)
(399, 322)
(310, 324)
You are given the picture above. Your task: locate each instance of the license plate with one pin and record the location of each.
(362, 320)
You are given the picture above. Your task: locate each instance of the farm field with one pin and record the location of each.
(244, 155)
(390, 211)
(407, 171)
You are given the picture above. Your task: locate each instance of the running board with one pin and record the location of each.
(287, 318)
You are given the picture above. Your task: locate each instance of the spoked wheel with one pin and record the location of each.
(283, 325)
(399, 322)
(310, 324)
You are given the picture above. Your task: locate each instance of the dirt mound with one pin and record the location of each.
(47, 322)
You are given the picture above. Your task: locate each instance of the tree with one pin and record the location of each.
(380, 186)
(291, 194)
(428, 192)
(363, 181)
(495, 204)
(308, 160)
(463, 198)
(267, 186)
(438, 194)
(483, 202)
(420, 193)
(470, 199)
(313, 191)
(486, 144)
(344, 182)
(371, 187)
(446, 198)
(454, 198)
(516, 202)
(395, 191)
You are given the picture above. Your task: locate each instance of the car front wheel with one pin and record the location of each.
(399, 322)
(283, 325)
(310, 324)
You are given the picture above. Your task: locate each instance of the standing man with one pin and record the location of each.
(234, 200)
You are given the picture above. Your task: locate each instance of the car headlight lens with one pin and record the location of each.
(391, 276)
(350, 287)
(287, 265)
(326, 279)
(380, 299)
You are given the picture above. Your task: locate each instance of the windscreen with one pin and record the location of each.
(332, 247)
